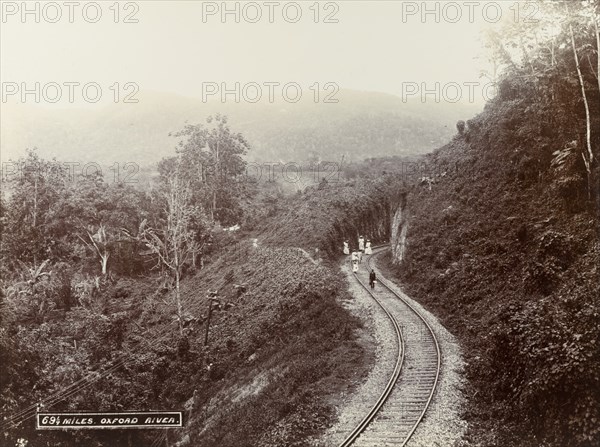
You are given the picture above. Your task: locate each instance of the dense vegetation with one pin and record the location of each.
(83, 261)
(106, 291)
(326, 215)
(503, 243)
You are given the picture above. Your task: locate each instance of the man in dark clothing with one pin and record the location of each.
(372, 278)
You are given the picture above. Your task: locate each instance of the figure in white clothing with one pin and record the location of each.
(354, 256)
(361, 243)
(346, 248)
(368, 249)
(355, 266)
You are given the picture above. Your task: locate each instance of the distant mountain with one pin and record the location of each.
(360, 125)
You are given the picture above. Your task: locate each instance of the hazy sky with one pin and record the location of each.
(176, 46)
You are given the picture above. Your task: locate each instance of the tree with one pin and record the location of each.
(40, 183)
(174, 240)
(588, 158)
(544, 61)
(211, 162)
(95, 217)
(31, 296)
(99, 243)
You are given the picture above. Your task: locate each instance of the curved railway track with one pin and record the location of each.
(404, 401)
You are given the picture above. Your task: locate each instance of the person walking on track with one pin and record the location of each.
(372, 279)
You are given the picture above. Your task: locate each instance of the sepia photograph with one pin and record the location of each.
(310, 223)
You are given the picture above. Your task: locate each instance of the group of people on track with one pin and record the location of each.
(364, 248)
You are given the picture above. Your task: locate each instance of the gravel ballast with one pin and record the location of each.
(442, 424)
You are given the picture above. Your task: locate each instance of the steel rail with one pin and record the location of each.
(361, 427)
(391, 382)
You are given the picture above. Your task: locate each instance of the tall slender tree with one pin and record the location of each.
(588, 158)
(174, 239)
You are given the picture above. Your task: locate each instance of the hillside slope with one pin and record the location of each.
(282, 345)
(502, 243)
(360, 122)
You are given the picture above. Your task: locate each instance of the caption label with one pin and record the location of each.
(143, 419)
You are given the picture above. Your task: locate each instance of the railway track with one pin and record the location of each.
(404, 401)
